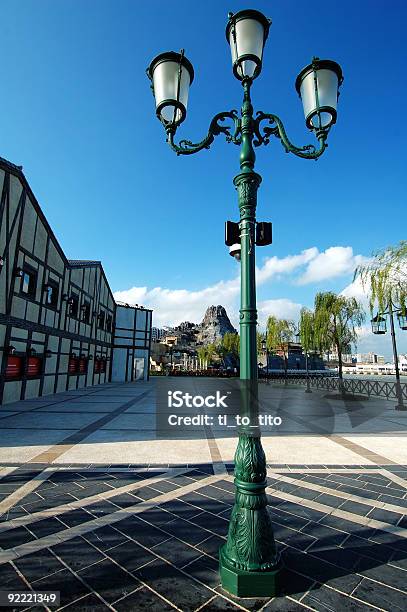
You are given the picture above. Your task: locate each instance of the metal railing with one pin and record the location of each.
(364, 387)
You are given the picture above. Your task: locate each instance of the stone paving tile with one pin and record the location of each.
(251, 604)
(178, 553)
(174, 585)
(213, 523)
(46, 527)
(105, 538)
(76, 517)
(143, 599)
(381, 596)
(15, 537)
(130, 555)
(181, 509)
(37, 565)
(124, 500)
(69, 586)
(219, 603)
(174, 547)
(77, 553)
(89, 603)
(142, 532)
(9, 578)
(324, 598)
(386, 516)
(211, 545)
(109, 580)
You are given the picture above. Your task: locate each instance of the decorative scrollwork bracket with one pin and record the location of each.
(276, 128)
(187, 147)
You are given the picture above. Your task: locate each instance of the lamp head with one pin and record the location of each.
(318, 87)
(171, 75)
(246, 33)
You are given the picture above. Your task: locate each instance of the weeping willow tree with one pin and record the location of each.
(307, 336)
(231, 345)
(279, 333)
(385, 277)
(307, 330)
(211, 353)
(336, 318)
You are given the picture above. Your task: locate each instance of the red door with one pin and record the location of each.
(103, 365)
(14, 367)
(34, 366)
(82, 365)
(97, 365)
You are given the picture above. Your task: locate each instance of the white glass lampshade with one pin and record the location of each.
(171, 75)
(246, 32)
(318, 87)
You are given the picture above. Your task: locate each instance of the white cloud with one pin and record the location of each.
(274, 266)
(333, 262)
(282, 308)
(172, 306)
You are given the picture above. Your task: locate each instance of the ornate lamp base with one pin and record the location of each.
(249, 561)
(243, 583)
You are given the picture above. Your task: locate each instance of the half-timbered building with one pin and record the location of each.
(57, 316)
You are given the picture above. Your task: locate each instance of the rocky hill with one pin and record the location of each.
(214, 326)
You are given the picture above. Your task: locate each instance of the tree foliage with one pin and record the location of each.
(307, 330)
(385, 277)
(279, 332)
(336, 318)
(231, 344)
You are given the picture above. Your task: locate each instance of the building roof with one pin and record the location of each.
(18, 172)
(83, 263)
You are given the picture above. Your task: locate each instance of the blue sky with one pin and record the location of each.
(78, 114)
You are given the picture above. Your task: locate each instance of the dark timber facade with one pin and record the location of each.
(57, 316)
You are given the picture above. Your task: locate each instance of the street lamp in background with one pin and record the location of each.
(379, 327)
(171, 343)
(298, 339)
(249, 561)
(266, 350)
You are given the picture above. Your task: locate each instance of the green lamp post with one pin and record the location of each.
(249, 561)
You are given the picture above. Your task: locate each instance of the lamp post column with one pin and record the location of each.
(249, 560)
(399, 394)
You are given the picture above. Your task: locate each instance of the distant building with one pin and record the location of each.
(366, 358)
(157, 333)
(60, 327)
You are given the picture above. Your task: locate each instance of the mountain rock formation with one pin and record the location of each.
(214, 326)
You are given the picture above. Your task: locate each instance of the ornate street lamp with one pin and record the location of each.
(402, 319)
(249, 561)
(379, 325)
(265, 350)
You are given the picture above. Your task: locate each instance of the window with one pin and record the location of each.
(109, 323)
(29, 282)
(101, 320)
(85, 308)
(52, 291)
(74, 306)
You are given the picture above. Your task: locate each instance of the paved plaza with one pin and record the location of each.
(95, 504)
